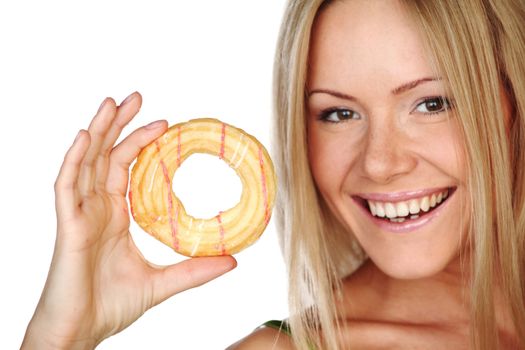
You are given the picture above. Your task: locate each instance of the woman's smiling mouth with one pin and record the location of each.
(404, 211)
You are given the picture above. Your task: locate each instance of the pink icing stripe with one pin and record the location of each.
(264, 190)
(223, 137)
(172, 221)
(221, 232)
(174, 229)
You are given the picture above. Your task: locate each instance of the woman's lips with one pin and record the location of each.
(404, 211)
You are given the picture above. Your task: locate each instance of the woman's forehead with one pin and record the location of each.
(354, 40)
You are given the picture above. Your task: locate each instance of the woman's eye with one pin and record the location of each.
(433, 105)
(338, 115)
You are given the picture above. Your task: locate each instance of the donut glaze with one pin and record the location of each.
(157, 210)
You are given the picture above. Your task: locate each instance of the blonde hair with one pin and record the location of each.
(478, 47)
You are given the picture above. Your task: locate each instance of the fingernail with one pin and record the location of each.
(128, 99)
(155, 125)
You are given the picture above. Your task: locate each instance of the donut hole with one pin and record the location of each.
(206, 185)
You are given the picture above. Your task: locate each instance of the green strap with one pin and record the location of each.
(281, 326)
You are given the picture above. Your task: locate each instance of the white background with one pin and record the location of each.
(58, 61)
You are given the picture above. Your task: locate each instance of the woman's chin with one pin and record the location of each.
(411, 268)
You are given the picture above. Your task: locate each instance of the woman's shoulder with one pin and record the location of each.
(268, 336)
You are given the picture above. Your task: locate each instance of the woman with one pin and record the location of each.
(399, 125)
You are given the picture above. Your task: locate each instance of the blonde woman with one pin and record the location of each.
(399, 126)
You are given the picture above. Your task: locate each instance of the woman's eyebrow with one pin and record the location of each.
(397, 91)
(331, 92)
(412, 84)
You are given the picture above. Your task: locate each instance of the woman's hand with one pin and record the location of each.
(99, 283)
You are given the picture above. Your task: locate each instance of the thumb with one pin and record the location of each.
(189, 273)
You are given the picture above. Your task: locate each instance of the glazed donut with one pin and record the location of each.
(156, 208)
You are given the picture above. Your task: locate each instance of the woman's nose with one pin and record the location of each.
(386, 156)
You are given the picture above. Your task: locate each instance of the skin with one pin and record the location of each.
(411, 293)
(98, 282)
(392, 144)
(367, 61)
(413, 290)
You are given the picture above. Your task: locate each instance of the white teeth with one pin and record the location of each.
(399, 211)
(397, 219)
(390, 210)
(402, 209)
(433, 201)
(413, 206)
(425, 204)
(372, 208)
(380, 210)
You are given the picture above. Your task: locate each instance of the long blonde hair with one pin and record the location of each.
(478, 46)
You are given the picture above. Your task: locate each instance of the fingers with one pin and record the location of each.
(105, 128)
(97, 130)
(66, 185)
(101, 165)
(123, 155)
(126, 111)
(189, 274)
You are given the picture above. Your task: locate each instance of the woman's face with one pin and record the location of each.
(384, 143)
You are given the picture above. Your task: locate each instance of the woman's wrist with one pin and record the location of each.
(40, 335)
